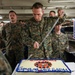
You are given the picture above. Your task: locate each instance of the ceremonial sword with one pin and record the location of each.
(49, 32)
(46, 36)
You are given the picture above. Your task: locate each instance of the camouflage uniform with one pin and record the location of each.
(5, 68)
(36, 31)
(2, 44)
(12, 34)
(60, 44)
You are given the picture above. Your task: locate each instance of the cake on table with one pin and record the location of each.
(42, 67)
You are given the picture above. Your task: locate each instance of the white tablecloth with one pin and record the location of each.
(71, 65)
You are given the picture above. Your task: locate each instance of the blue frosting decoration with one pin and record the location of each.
(42, 70)
(28, 69)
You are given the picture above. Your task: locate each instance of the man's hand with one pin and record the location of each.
(36, 45)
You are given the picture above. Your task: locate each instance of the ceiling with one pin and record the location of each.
(23, 7)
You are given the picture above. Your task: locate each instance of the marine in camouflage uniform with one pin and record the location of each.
(13, 36)
(12, 33)
(5, 68)
(36, 31)
(60, 44)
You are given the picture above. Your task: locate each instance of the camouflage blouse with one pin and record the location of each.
(36, 31)
(60, 44)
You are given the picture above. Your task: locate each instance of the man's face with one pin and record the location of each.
(52, 14)
(12, 17)
(58, 27)
(61, 12)
(37, 13)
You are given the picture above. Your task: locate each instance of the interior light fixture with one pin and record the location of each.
(58, 1)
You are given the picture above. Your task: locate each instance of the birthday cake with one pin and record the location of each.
(42, 67)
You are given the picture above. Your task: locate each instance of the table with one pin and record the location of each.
(71, 65)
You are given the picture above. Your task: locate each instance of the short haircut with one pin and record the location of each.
(60, 9)
(37, 5)
(12, 12)
(52, 11)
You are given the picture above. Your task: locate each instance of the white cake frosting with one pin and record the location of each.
(42, 66)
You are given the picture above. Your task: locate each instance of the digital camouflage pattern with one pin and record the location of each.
(5, 68)
(13, 36)
(36, 31)
(60, 44)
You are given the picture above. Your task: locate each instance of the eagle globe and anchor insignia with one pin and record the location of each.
(43, 64)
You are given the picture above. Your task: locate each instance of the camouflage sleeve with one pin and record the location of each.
(27, 40)
(67, 43)
(4, 33)
(5, 68)
(48, 46)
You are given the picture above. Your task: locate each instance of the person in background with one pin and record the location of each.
(36, 30)
(5, 68)
(25, 51)
(2, 46)
(2, 43)
(25, 46)
(61, 14)
(69, 57)
(13, 36)
(60, 43)
(1, 26)
(52, 14)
